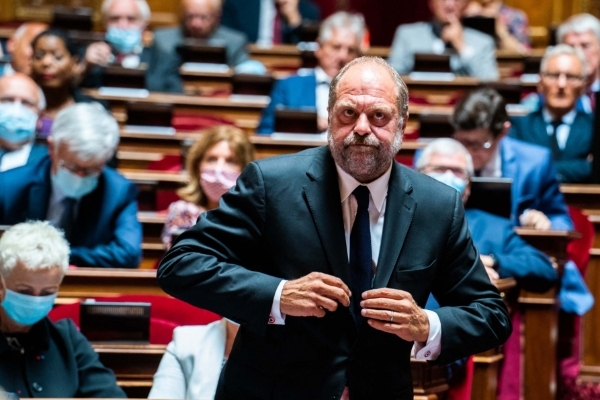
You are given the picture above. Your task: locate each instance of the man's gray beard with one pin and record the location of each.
(375, 165)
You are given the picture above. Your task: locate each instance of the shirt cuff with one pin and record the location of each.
(276, 317)
(430, 350)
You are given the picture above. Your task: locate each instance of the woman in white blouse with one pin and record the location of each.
(192, 364)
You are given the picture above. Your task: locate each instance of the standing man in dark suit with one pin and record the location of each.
(74, 190)
(481, 124)
(200, 19)
(125, 22)
(559, 126)
(268, 22)
(339, 41)
(21, 102)
(326, 257)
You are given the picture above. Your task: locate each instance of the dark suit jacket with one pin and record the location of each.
(58, 363)
(297, 91)
(37, 152)
(244, 15)
(162, 74)
(284, 220)
(166, 40)
(534, 182)
(106, 234)
(572, 164)
(495, 235)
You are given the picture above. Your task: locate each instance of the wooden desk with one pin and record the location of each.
(95, 282)
(244, 114)
(540, 320)
(587, 197)
(135, 366)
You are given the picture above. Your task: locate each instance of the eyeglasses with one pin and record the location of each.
(458, 172)
(81, 171)
(474, 146)
(555, 76)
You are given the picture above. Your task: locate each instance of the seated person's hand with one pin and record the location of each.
(322, 124)
(289, 11)
(453, 33)
(488, 263)
(535, 219)
(98, 53)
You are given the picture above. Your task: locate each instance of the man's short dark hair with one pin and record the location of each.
(480, 109)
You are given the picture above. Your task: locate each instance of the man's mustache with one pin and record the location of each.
(364, 140)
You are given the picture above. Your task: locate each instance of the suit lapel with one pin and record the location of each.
(399, 210)
(322, 195)
(576, 141)
(39, 194)
(85, 218)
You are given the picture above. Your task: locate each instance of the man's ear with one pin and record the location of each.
(505, 130)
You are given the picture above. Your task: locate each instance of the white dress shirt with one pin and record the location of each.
(15, 158)
(56, 208)
(266, 21)
(563, 130)
(378, 193)
(493, 169)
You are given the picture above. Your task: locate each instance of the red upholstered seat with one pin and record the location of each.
(166, 313)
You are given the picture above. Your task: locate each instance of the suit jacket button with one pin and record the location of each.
(36, 386)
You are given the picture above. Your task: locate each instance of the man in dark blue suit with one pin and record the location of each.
(481, 123)
(339, 42)
(75, 191)
(268, 22)
(21, 102)
(558, 125)
(502, 251)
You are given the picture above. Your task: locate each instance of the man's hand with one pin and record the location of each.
(395, 311)
(488, 263)
(98, 53)
(313, 295)
(534, 219)
(288, 9)
(453, 33)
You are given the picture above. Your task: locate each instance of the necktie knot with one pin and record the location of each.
(556, 123)
(361, 193)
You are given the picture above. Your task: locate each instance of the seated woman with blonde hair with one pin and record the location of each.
(213, 163)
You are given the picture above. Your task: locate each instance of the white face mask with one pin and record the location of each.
(215, 182)
(73, 185)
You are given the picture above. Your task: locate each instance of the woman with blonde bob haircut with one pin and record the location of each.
(213, 163)
(38, 357)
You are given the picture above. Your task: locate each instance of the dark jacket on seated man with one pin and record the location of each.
(106, 232)
(54, 360)
(162, 72)
(572, 160)
(493, 235)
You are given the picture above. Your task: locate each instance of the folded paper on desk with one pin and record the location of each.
(204, 67)
(123, 92)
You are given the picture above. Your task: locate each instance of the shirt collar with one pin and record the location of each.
(378, 188)
(494, 167)
(8, 69)
(57, 195)
(568, 118)
(595, 87)
(321, 76)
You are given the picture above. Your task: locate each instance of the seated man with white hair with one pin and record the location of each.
(559, 125)
(502, 251)
(21, 102)
(339, 41)
(40, 358)
(75, 190)
(583, 31)
(125, 22)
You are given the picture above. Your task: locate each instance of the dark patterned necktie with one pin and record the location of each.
(67, 219)
(553, 139)
(361, 271)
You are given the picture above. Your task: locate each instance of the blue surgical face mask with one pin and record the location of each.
(73, 185)
(451, 180)
(124, 40)
(17, 122)
(25, 309)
